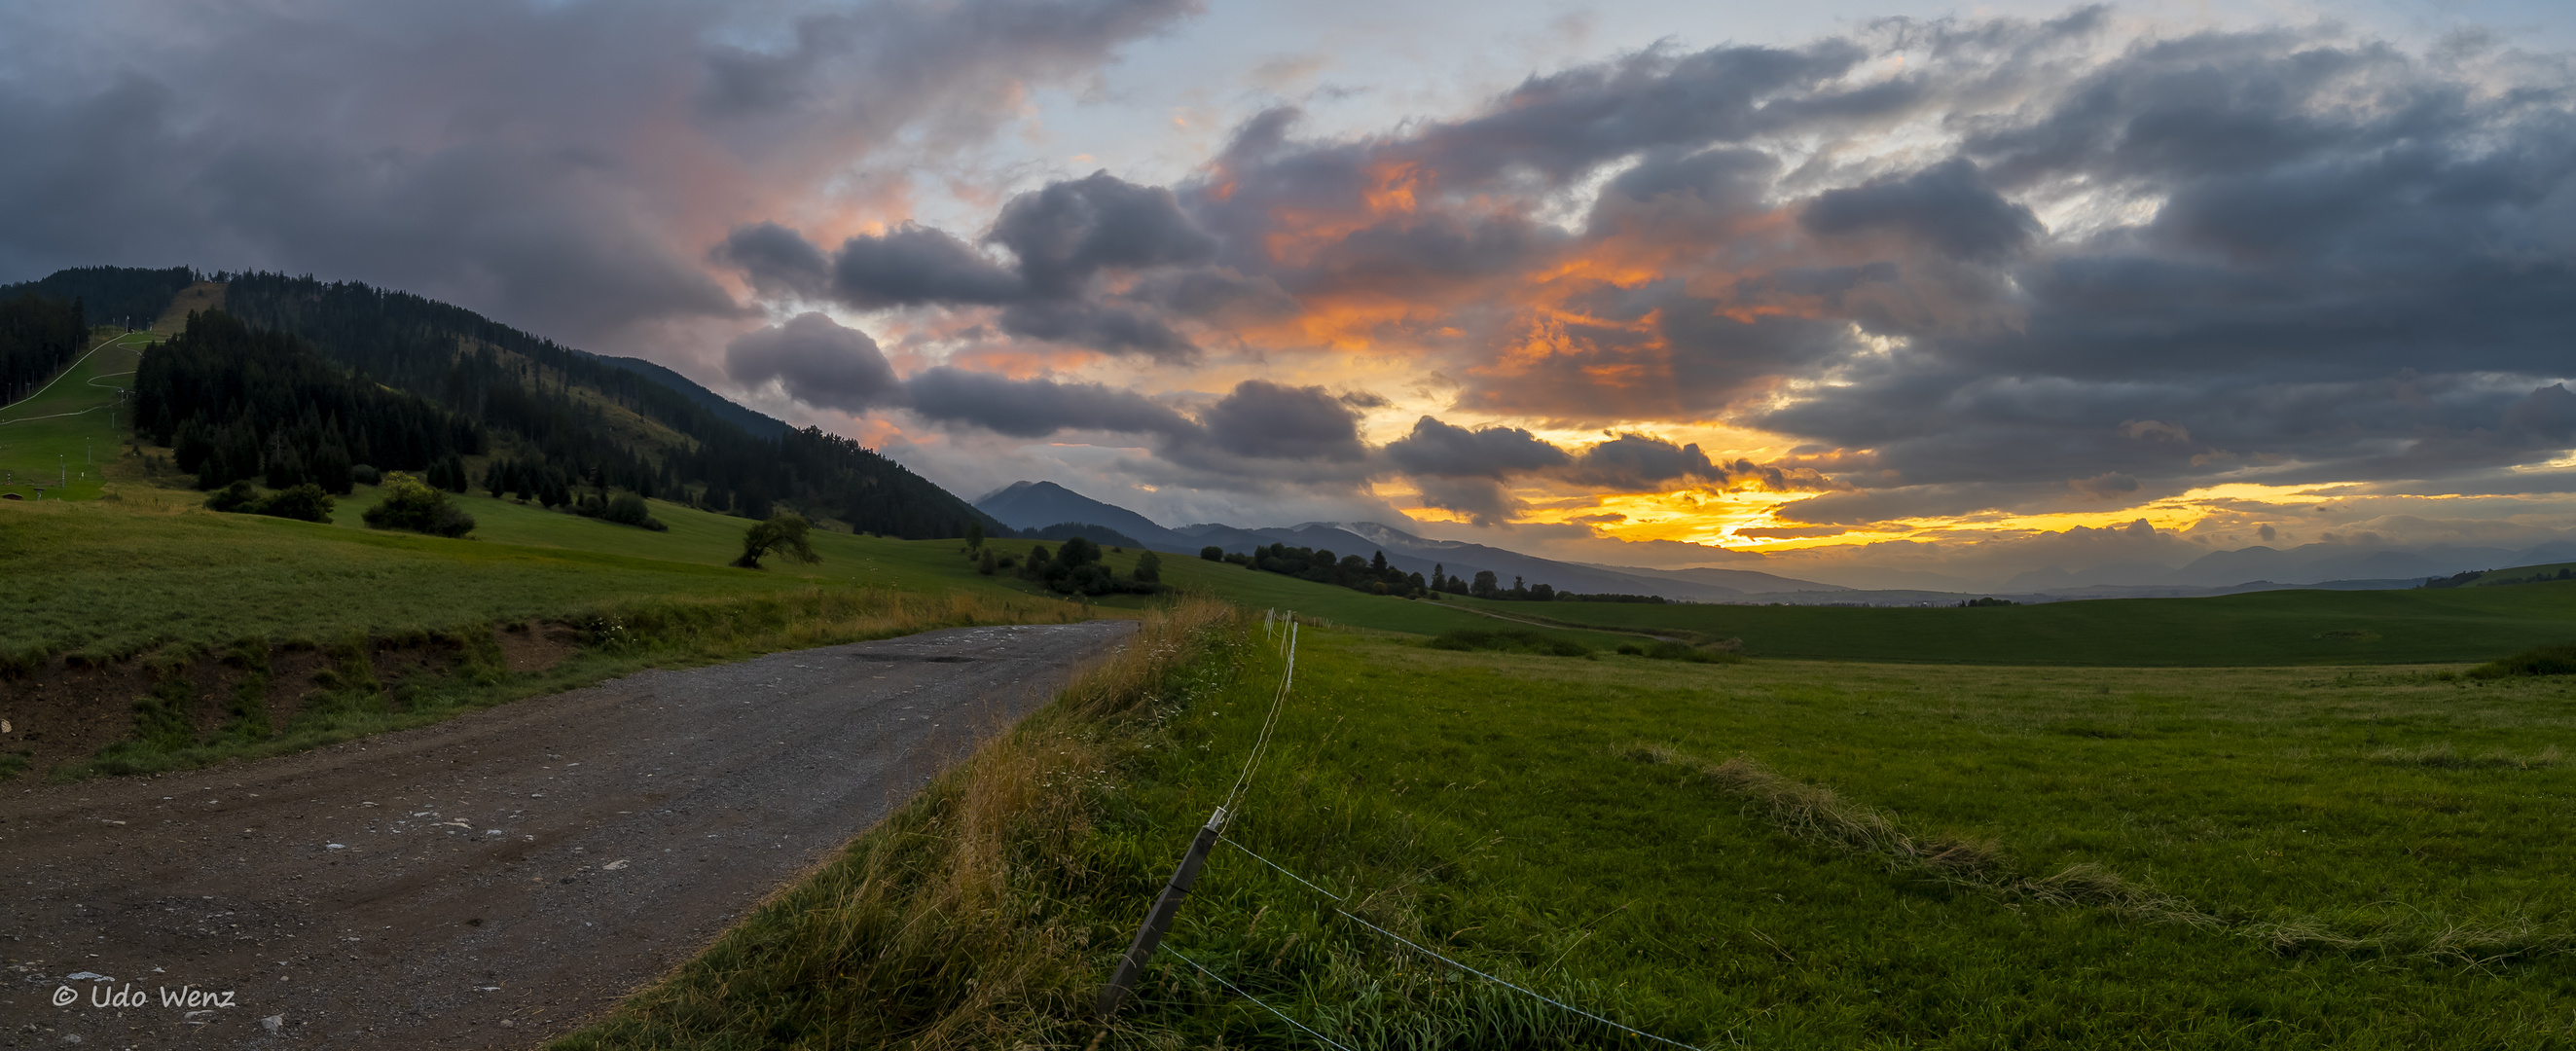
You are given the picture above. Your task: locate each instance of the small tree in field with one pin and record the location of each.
(974, 536)
(782, 535)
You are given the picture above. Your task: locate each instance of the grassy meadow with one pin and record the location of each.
(1774, 854)
(2264, 628)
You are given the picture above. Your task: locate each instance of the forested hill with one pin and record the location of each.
(551, 410)
(124, 296)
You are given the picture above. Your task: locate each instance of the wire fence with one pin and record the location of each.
(1284, 630)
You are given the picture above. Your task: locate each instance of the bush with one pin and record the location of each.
(2538, 660)
(1149, 568)
(365, 475)
(1212, 553)
(412, 505)
(1509, 642)
(629, 509)
(305, 502)
(237, 498)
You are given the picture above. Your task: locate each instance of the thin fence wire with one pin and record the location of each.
(1261, 743)
(1238, 991)
(1543, 997)
(1243, 780)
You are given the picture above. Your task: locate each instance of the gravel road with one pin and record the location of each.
(490, 881)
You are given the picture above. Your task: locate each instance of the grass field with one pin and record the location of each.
(2262, 628)
(64, 432)
(2344, 860)
(1773, 854)
(146, 569)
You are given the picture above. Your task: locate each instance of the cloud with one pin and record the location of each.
(2546, 415)
(1444, 450)
(1038, 408)
(818, 362)
(1068, 231)
(1484, 501)
(1949, 207)
(915, 264)
(1264, 419)
(561, 166)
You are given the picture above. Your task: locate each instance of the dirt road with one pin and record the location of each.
(490, 881)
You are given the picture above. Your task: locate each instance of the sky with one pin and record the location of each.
(1848, 291)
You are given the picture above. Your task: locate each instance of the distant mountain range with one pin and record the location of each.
(1062, 512)
(1037, 505)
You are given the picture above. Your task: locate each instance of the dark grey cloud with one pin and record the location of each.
(1068, 231)
(557, 165)
(1436, 448)
(1264, 419)
(1948, 206)
(1635, 462)
(779, 262)
(818, 362)
(916, 264)
(1484, 501)
(1060, 238)
(2547, 416)
(1111, 327)
(1037, 408)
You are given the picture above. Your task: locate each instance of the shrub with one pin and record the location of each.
(365, 475)
(1149, 568)
(237, 498)
(2538, 660)
(1212, 553)
(411, 504)
(307, 502)
(784, 535)
(629, 509)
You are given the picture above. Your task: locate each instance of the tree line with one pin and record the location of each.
(38, 336)
(110, 295)
(236, 402)
(1375, 576)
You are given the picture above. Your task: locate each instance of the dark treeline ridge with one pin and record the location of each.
(111, 295)
(1371, 575)
(1069, 530)
(236, 402)
(2479, 577)
(1374, 576)
(545, 403)
(38, 336)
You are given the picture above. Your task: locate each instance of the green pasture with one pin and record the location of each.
(2415, 827)
(64, 431)
(118, 577)
(2258, 629)
(2159, 858)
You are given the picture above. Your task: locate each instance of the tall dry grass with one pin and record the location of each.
(960, 920)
